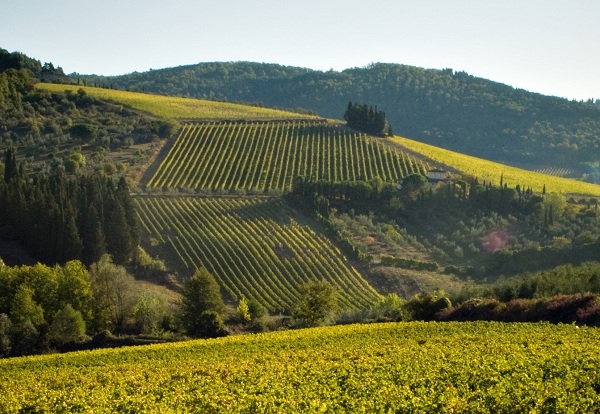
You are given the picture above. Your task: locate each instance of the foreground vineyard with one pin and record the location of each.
(252, 246)
(268, 155)
(402, 368)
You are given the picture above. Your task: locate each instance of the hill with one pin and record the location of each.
(453, 110)
(176, 108)
(405, 368)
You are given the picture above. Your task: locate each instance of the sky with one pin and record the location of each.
(545, 46)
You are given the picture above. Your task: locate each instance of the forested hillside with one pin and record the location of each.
(446, 108)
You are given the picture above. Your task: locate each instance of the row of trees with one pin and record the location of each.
(375, 188)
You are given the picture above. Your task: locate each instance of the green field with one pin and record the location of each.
(268, 155)
(491, 171)
(176, 108)
(380, 368)
(253, 246)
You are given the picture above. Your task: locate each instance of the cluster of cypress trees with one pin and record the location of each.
(60, 218)
(367, 119)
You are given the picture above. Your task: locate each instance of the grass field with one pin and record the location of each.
(177, 108)
(411, 367)
(491, 171)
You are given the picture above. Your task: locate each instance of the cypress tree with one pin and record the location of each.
(117, 234)
(72, 242)
(10, 164)
(94, 244)
(130, 214)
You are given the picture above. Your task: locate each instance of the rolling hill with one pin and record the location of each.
(220, 194)
(449, 109)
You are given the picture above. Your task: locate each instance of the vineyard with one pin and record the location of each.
(558, 172)
(268, 155)
(174, 107)
(492, 171)
(252, 246)
(411, 367)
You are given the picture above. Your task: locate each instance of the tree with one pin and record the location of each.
(94, 244)
(83, 132)
(413, 184)
(75, 288)
(149, 312)
(258, 314)
(26, 317)
(210, 325)
(366, 118)
(390, 307)
(318, 303)
(118, 238)
(10, 164)
(113, 294)
(424, 306)
(24, 309)
(67, 326)
(4, 335)
(201, 294)
(243, 311)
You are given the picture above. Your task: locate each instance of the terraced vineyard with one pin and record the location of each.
(268, 155)
(413, 367)
(252, 246)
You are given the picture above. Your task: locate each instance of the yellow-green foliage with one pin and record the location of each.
(177, 108)
(491, 171)
(395, 367)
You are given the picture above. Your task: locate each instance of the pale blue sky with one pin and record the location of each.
(546, 46)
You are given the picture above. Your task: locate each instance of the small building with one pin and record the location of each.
(436, 176)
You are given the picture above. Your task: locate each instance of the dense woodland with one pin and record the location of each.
(446, 108)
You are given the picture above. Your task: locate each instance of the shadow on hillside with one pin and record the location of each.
(155, 163)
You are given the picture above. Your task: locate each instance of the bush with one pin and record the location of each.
(425, 306)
